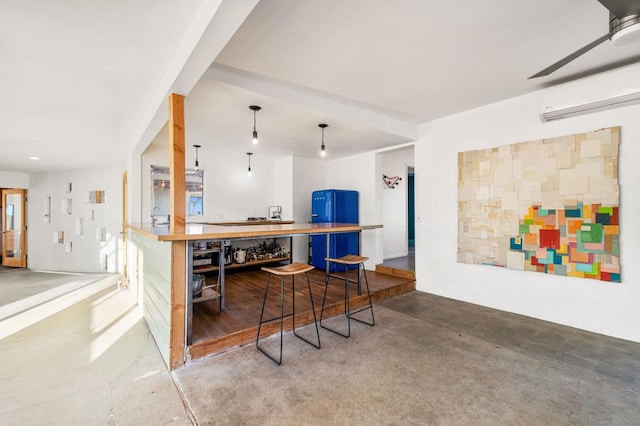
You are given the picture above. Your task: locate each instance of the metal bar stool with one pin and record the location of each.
(292, 269)
(350, 259)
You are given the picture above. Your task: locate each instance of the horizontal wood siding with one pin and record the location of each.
(153, 270)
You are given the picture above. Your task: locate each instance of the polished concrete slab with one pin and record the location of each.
(428, 360)
(20, 284)
(93, 363)
(27, 296)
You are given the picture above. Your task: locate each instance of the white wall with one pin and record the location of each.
(362, 173)
(14, 180)
(229, 194)
(601, 307)
(283, 191)
(308, 175)
(88, 253)
(394, 203)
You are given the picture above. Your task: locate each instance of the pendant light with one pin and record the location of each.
(323, 151)
(249, 169)
(255, 108)
(197, 164)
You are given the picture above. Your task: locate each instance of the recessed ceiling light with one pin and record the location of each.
(34, 158)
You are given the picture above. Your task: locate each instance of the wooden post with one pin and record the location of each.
(176, 162)
(177, 224)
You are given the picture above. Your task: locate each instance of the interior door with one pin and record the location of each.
(14, 228)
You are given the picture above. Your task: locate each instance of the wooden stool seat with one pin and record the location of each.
(290, 269)
(350, 259)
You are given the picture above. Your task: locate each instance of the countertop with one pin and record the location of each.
(199, 231)
(246, 222)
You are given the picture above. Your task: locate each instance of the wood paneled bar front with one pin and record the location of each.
(219, 233)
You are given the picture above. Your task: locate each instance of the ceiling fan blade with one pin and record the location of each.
(621, 8)
(564, 61)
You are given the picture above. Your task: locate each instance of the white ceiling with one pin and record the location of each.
(77, 77)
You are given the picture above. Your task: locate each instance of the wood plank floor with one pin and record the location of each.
(215, 331)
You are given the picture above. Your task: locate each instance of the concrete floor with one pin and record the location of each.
(93, 363)
(428, 360)
(27, 296)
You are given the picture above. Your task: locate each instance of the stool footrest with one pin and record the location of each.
(342, 278)
(276, 318)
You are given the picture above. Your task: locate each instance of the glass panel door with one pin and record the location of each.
(14, 251)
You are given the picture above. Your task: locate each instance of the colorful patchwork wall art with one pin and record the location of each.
(549, 206)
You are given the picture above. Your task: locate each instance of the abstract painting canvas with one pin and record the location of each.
(549, 206)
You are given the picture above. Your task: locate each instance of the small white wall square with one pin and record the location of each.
(79, 226)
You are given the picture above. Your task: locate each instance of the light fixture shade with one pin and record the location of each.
(197, 162)
(323, 149)
(254, 108)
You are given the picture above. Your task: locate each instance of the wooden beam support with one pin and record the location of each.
(176, 162)
(177, 224)
(178, 287)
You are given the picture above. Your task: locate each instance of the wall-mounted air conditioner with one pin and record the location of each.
(613, 89)
(617, 101)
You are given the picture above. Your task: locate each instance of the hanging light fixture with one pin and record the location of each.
(255, 109)
(323, 151)
(197, 164)
(249, 169)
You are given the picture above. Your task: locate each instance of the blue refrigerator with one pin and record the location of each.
(340, 206)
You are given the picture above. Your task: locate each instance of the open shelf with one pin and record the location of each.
(242, 265)
(205, 251)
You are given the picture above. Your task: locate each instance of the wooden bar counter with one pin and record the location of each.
(168, 313)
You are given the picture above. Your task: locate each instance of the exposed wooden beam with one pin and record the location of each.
(176, 162)
(177, 224)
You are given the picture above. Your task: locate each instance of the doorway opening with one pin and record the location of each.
(411, 215)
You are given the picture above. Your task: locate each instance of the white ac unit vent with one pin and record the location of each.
(618, 101)
(612, 89)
